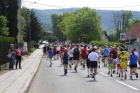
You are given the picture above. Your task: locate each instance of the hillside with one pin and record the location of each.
(106, 16)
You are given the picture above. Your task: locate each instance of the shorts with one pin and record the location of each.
(118, 66)
(71, 58)
(54, 53)
(57, 52)
(114, 60)
(93, 64)
(50, 56)
(105, 56)
(133, 65)
(75, 57)
(83, 57)
(44, 52)
(123, 65)
(65, 61)
(110, 66)
(88, 64)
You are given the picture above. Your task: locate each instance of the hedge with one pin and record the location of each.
(101, 43)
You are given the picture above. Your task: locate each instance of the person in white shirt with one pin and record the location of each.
(57, 51)
(93, 57)
(71, 57)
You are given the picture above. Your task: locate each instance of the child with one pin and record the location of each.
(118, 65)
(50, 56)
(110, 64)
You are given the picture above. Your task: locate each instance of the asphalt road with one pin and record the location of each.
(52, 80)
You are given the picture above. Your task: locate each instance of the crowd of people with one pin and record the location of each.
(114, 58)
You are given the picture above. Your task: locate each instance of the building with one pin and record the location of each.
(133, 34)
(105, 37)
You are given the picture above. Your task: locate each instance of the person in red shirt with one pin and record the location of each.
(83, 54)
(114, 52)
(61, 51)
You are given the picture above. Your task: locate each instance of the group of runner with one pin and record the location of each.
(115, 58)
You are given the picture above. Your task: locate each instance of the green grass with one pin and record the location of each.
(33, 49)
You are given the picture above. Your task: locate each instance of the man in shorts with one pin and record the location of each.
(133, 63)
(76, 55)
(84, 53)
(93, 57)
(58, 51)
(105, 52)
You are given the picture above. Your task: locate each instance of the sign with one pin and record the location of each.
(122, 36)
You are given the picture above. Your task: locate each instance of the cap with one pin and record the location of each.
(132, 51)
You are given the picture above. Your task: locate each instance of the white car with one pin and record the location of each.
(45, 42)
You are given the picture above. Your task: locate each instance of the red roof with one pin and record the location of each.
(134, 31)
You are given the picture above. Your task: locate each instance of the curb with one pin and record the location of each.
(27, 85)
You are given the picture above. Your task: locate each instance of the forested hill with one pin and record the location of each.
(106, 16)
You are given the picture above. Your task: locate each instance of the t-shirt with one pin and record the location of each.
(110, 60)
(93, 56)
(117, 60)
(71, 52)
(18, 52)
(114, 52)
(61, 51)
(133, 59)
(123, 58)
(76, 52)
(105, 52)
(50, 53)
(84, 52)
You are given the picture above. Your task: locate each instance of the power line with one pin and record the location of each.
(56, 6)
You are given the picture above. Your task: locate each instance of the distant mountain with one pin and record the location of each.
(106, 16)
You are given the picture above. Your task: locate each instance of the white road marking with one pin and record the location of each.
(127, 85)
(104, 74)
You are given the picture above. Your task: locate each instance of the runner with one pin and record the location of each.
(58, 51)
(118, 65)
(71, 57)
(65, 57)
(61, 51)
(54, 51)
(84, 53)
(123, 60)
(105, 52)
(93, 57)
(133, 63)
(88, 63)
(114, 52)
(110, 64)
(44, 51)
(50, 53)
(76, 55)
(99, 53)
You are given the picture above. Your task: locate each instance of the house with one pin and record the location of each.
(133, 34)
(105, 37)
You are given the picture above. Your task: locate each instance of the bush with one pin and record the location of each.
(101, 43)
(36, 45)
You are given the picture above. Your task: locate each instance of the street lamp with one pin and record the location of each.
(29, 15)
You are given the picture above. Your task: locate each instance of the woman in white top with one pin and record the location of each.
(71, 57)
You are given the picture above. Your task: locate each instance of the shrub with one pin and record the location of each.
(101, 43)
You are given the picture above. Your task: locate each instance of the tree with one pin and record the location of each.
(121, 22)
(50, 38)
(3, 29)
(84, 22)
(133, 22)
(35, 27)
(56, 19)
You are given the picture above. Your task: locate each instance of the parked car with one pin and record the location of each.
(44, 42)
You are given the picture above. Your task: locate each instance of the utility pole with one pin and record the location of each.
(19, 20)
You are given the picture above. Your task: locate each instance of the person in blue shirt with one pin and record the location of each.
(50, 56)
(133, 63)
(105, 53)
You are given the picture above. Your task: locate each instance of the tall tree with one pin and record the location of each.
(83, 23)
(56, 19)
(35, 27)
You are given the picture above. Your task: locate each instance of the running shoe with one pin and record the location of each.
(111, 75)
(99, 66)
(136, 75)
(93, 76)
(130, 77)
(119, 75)
(87, 75)
(113, 71)
(125, 76)
(108, 72)
(51, 64)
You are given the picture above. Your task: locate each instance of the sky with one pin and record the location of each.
(94, 4)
